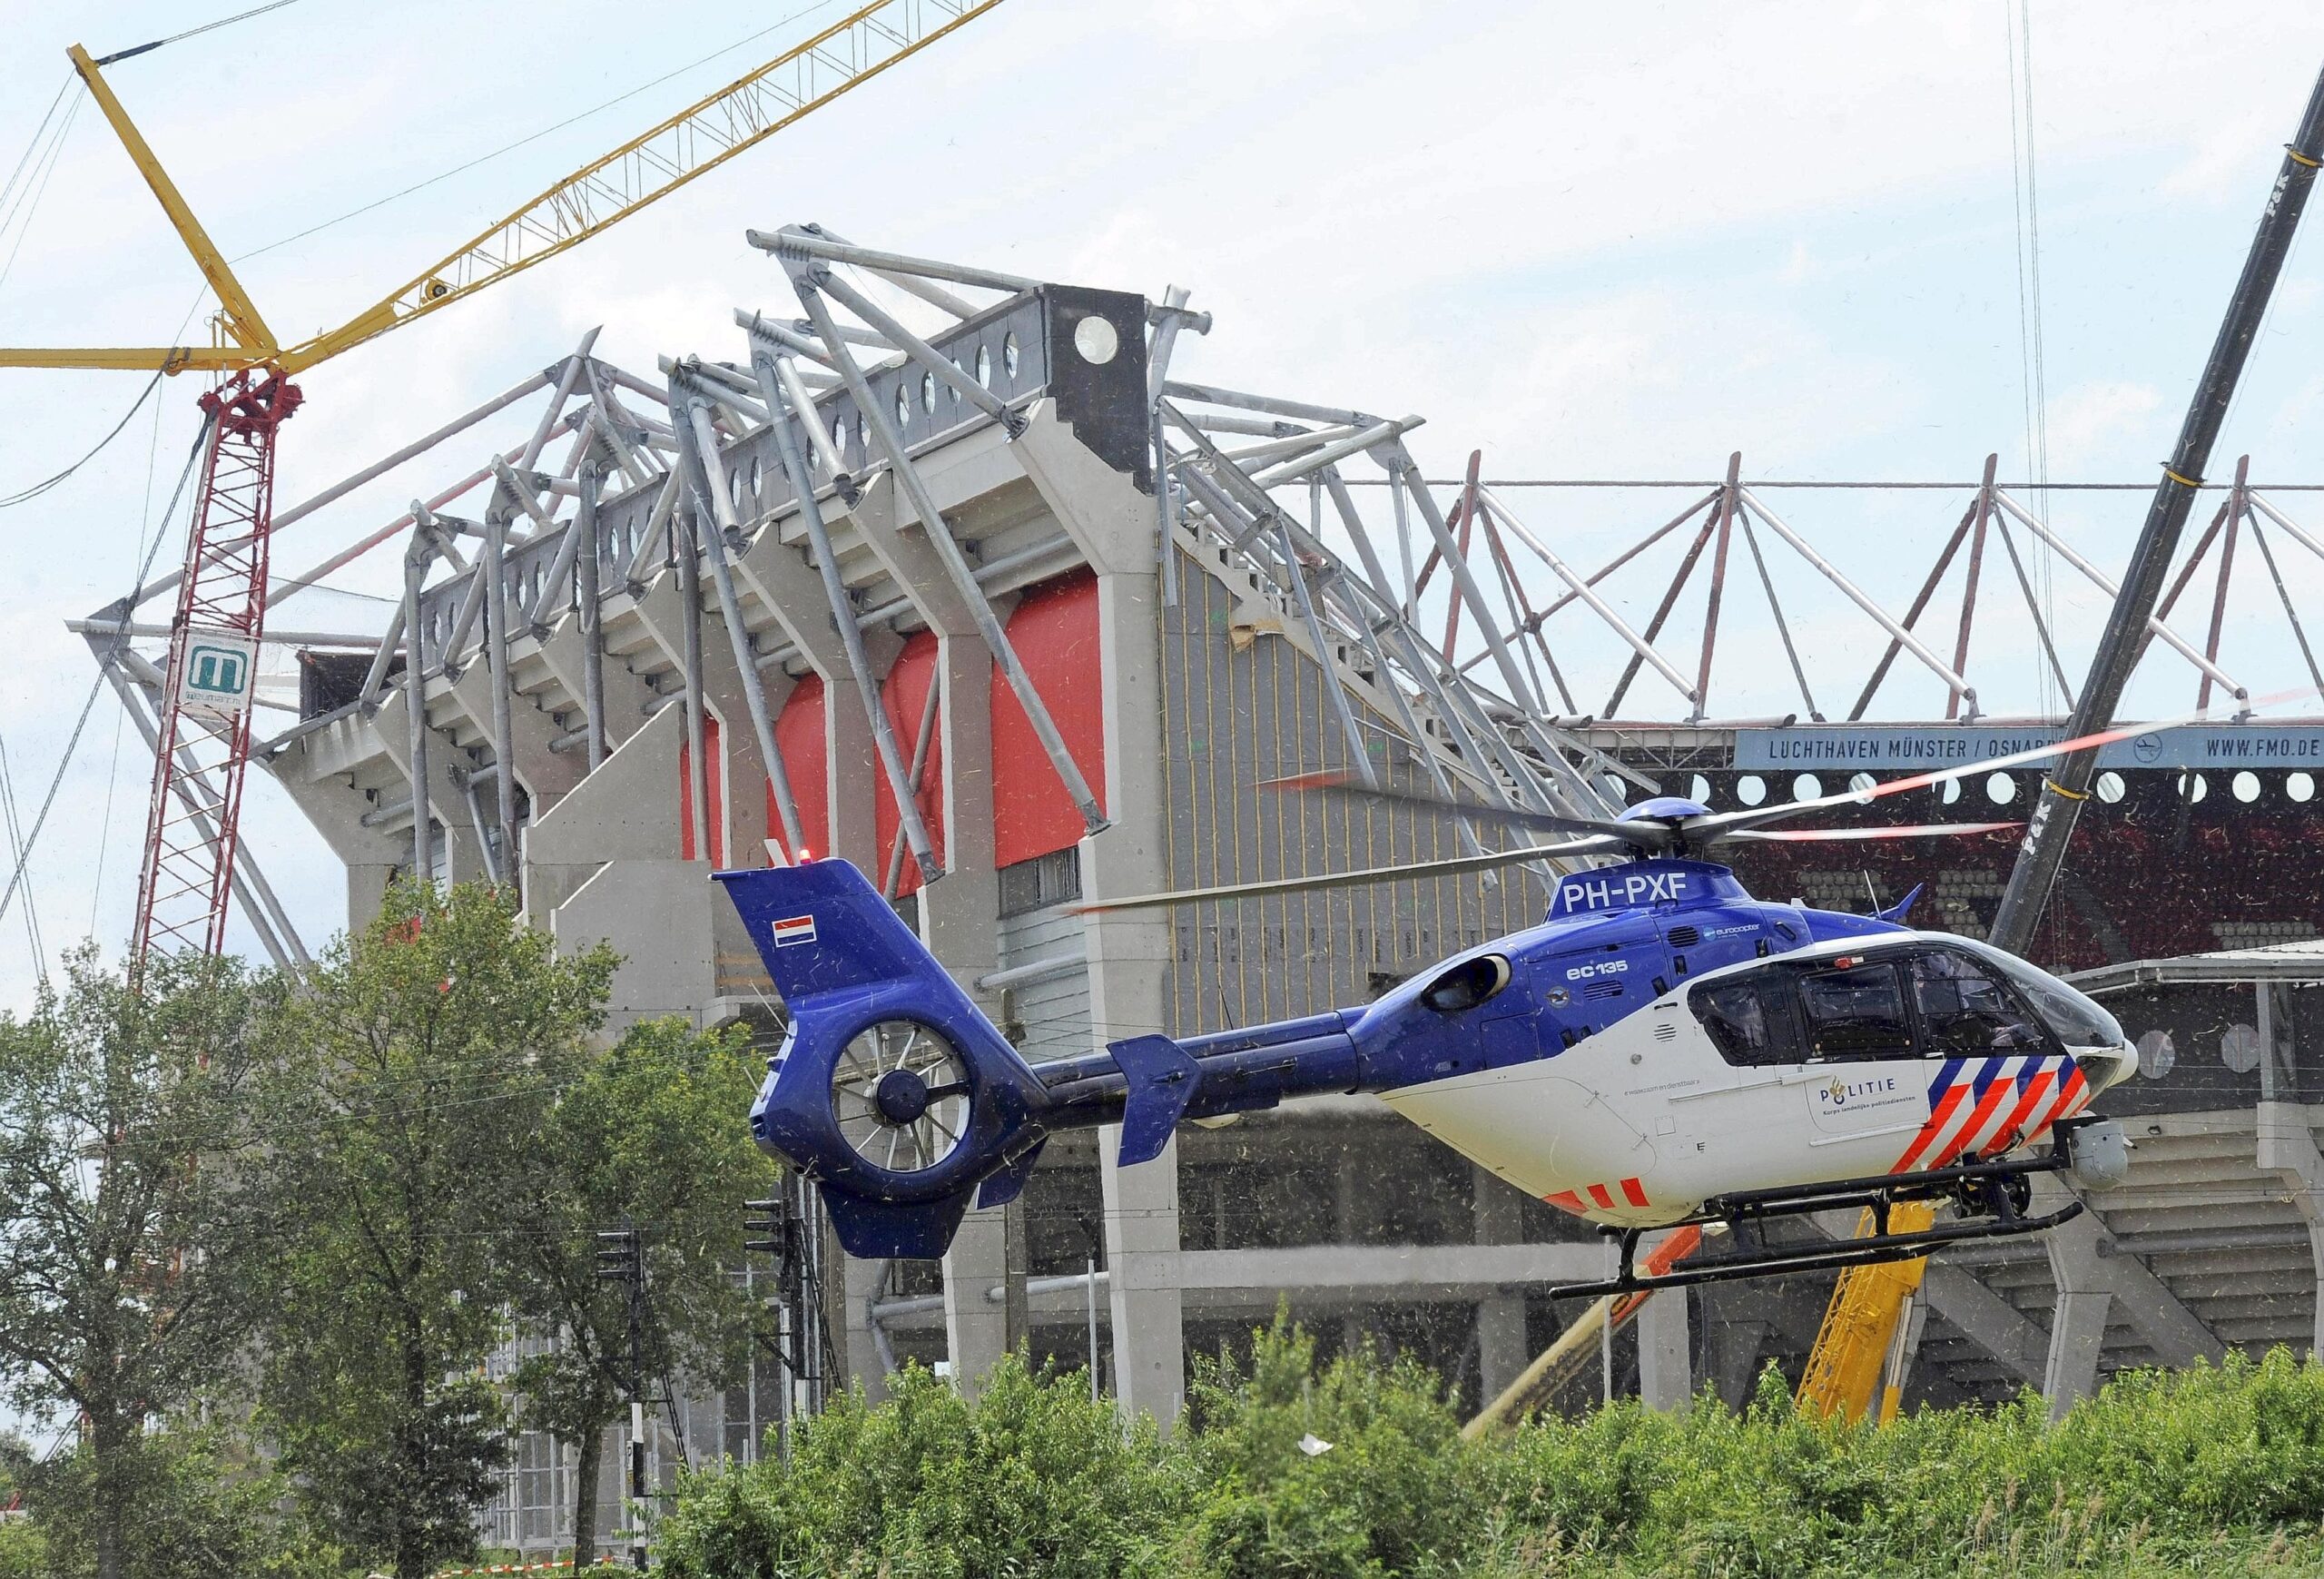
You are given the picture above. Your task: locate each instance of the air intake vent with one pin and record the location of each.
(1666, 1032)
(1602, 990)
(1685, 937)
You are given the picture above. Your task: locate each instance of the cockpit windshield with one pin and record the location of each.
(2076, 1019)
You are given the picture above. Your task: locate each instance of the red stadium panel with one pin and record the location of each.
(799, 736)
(1055, 632)
(905, 694)
(711, 793)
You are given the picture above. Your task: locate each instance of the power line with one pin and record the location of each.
(533, 137)
(28, 205)
(7, 188)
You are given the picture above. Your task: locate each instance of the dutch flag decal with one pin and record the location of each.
(794, 929)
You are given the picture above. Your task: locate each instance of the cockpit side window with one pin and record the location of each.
(1965, 1010)
(1855, 1012)
(1751, 1019)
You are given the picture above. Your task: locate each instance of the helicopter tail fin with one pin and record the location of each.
(891, 1090)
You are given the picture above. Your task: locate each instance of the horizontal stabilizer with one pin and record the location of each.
(1161, 1079)
(873, 1230)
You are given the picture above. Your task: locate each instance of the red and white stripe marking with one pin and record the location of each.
(1592, 1198)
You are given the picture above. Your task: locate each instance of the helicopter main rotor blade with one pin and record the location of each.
(1644, 835)
(1725, 824)
(1454, 867)
(1851, 835)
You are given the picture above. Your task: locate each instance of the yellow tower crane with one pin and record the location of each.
(184, 881)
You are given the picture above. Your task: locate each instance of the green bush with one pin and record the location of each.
(2212, 1470)
(1032, 1478)
(1396, 1492)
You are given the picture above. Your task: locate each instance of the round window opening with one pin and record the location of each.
(1806, 787)
(1009, 354)
(928, 392)
(1096, 340)
(2157, 1054)
(2239, 1048)
(2193, 787)
(984, 366)
(1949, 791)
(2111, 787)
(2001, 789)
(1750, 789)
(2246, 785)
(2301, 786)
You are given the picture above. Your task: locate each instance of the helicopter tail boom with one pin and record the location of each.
(902, 1100)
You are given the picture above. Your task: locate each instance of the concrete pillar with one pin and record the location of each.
(861, 1283)
(1142, 1298)
(1501, 1349)
(1665, 1347)
(1130, 955)
(1735, 1346)
(2286, 1148)
(957, 920)
(976, 1329)
(2077, 1337)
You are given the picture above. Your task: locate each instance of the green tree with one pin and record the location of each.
(137, 1204)
(205, 1507)
(424, 1060)
(652, 1133)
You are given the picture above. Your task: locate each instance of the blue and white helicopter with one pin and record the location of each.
(1662, 1050)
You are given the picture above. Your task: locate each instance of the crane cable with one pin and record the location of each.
(26, 495)
(189, 33)
(16, 846)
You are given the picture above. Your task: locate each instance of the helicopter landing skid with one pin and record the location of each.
(1997, 1194)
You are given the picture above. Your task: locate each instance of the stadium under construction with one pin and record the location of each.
(1014, 619)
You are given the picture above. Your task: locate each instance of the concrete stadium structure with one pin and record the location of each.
(1010, 617)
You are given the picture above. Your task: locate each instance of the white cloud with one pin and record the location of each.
(2091, 422)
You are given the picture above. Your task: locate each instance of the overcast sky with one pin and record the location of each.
(1591, 241)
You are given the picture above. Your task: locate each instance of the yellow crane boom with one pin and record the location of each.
(185, 879)
(696, 139)
(1852, 1371)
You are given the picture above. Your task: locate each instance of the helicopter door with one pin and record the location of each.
(1862, 1054)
